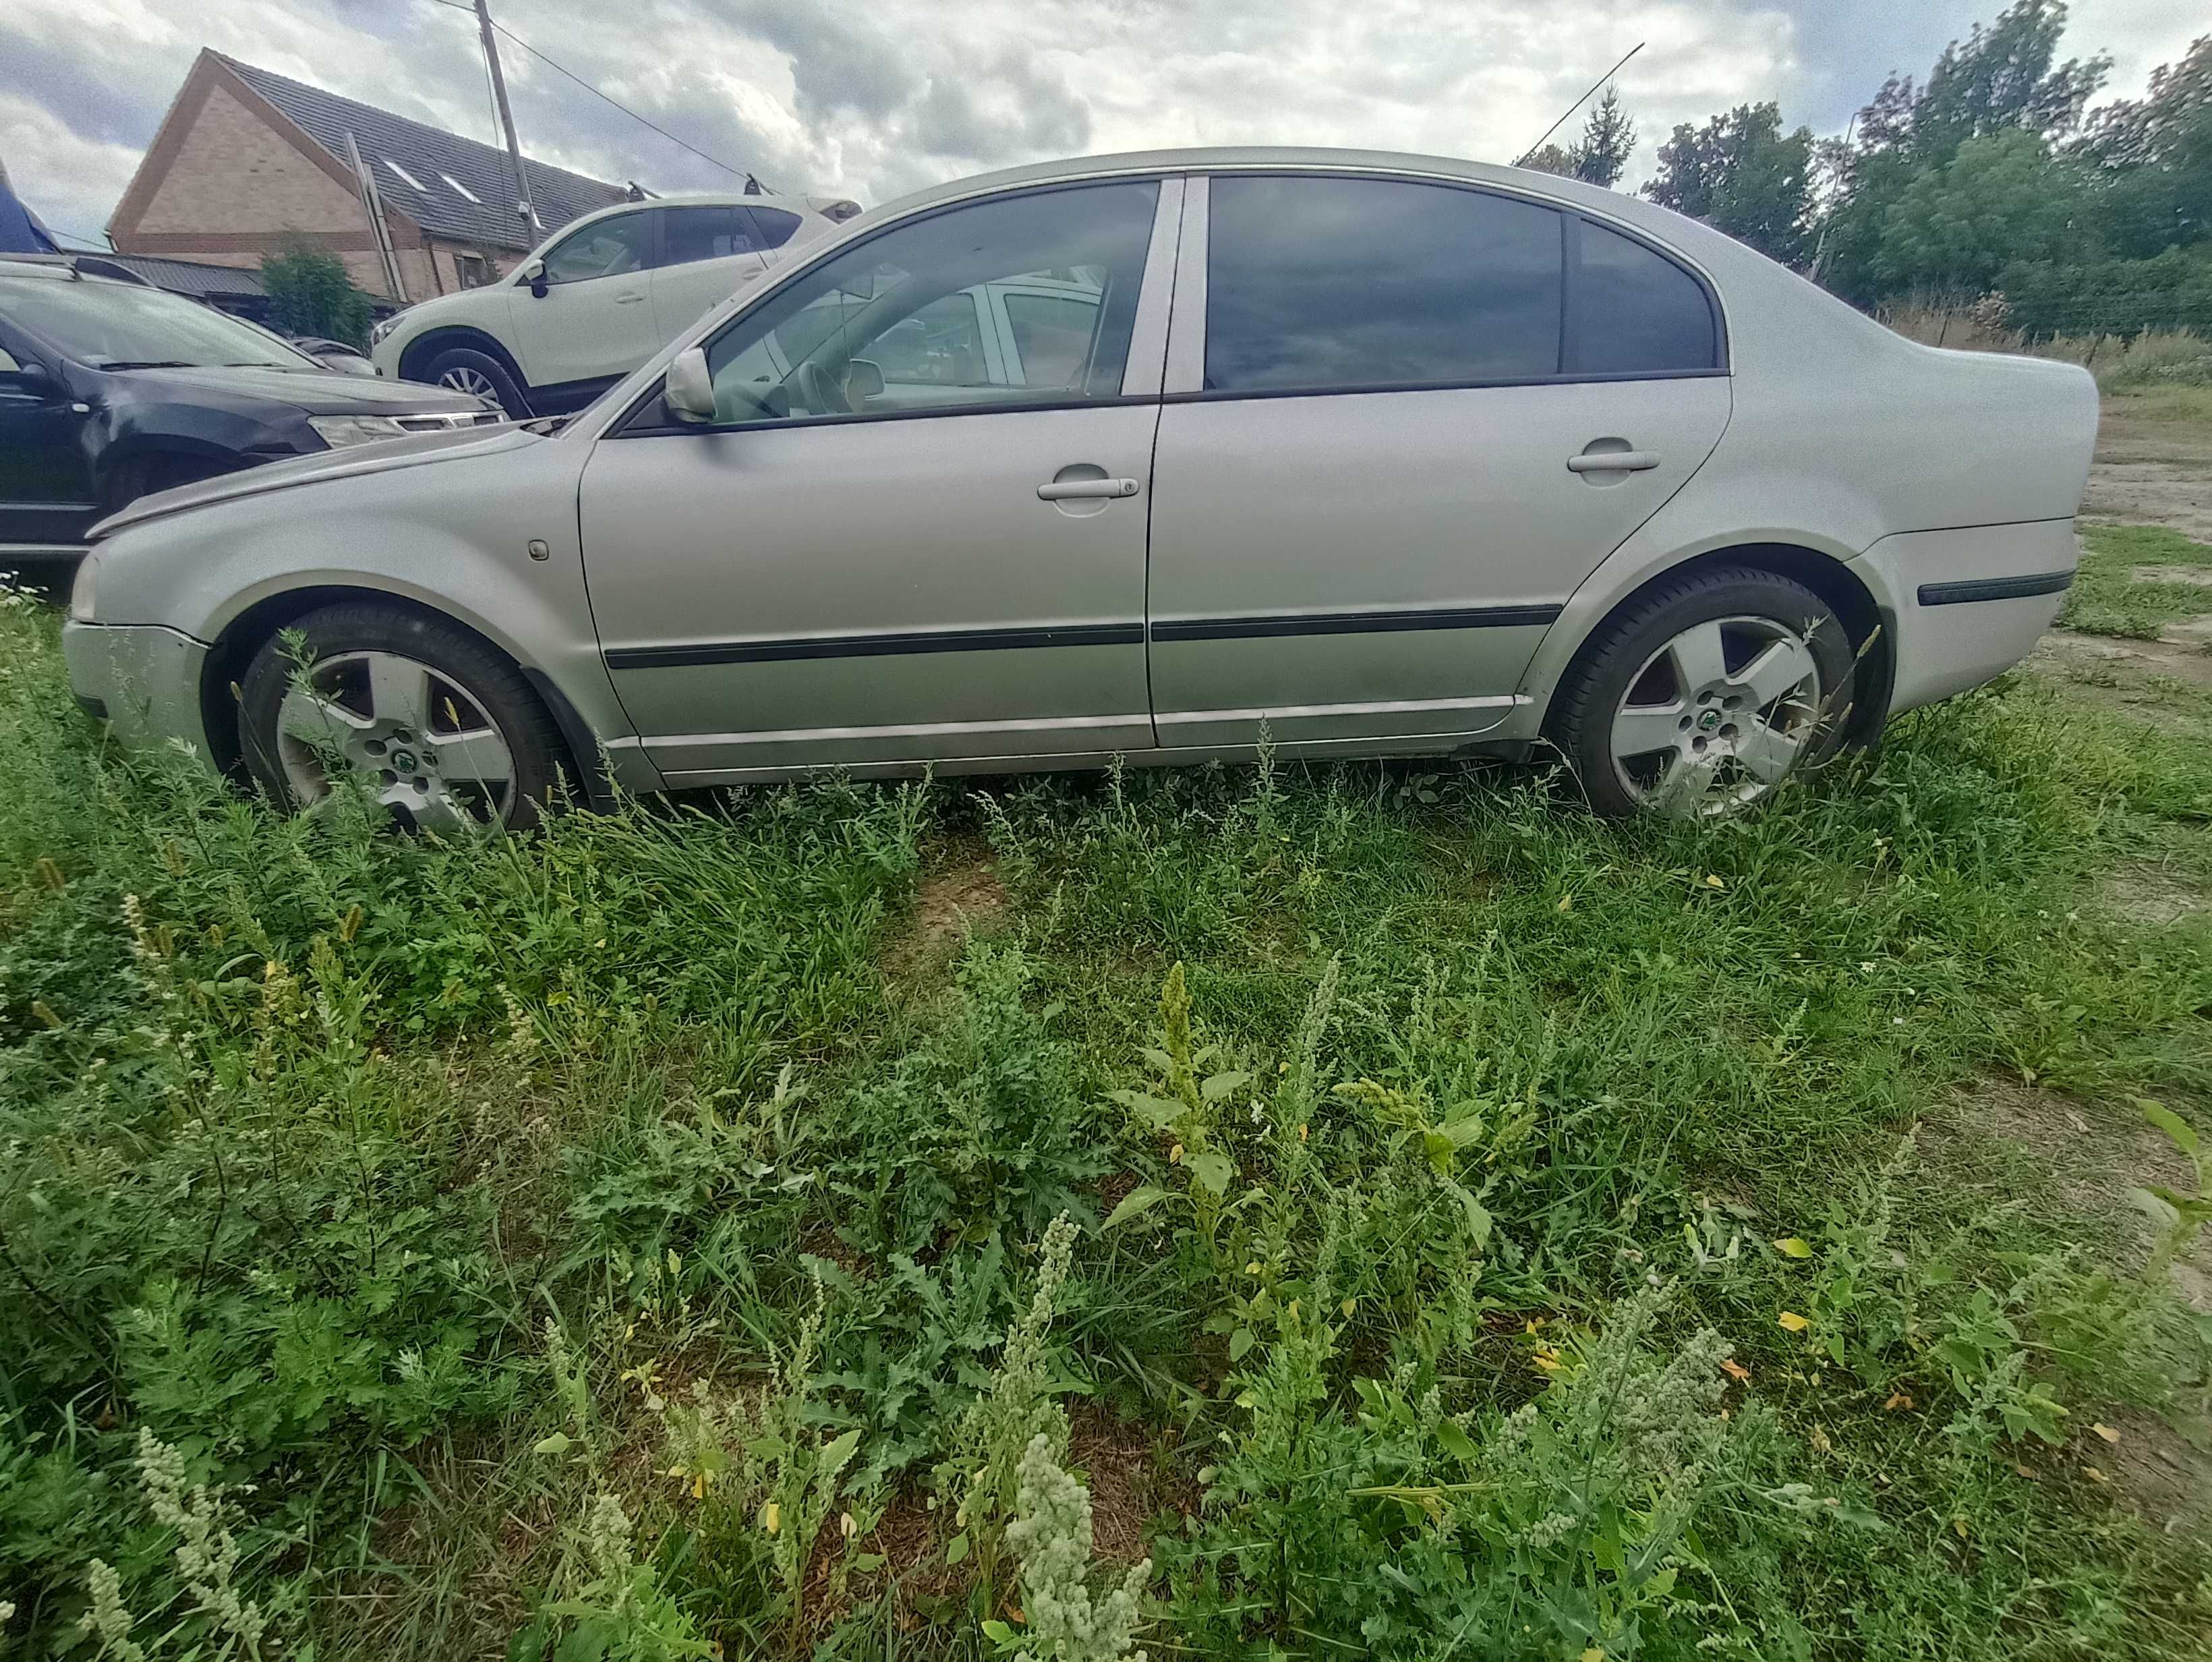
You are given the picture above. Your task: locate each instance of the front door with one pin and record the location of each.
(46, 500)
(1392, 471)
(595, 320)
(838, 572)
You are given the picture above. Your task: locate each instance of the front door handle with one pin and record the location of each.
(1062, 490)
(629, 300)
(1612, 461)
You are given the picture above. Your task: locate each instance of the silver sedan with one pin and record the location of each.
(1161, 456)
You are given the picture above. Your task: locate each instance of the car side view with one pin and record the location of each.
(1163, 457)
(598, 298)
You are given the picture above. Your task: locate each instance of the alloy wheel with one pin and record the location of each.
(420, 738)
(1717, 716)
(466, 378)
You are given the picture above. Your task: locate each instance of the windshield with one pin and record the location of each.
(110, 326)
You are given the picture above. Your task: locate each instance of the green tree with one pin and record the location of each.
(2152, 159)
(2003, 198)
(1609, 140)
(310, 293)
(2003, 77)
(1550, 159)
(1741, 174)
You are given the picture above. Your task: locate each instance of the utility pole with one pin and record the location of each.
(522, 201)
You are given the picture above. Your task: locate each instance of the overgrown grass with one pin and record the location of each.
(1498, 1233)
(2123, 587)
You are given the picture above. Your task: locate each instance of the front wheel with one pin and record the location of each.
(1705, 695)
(463, 369)
(443, 731)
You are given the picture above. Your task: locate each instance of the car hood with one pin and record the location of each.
(318, 390)
(387, 455)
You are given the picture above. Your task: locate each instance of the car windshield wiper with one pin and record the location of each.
(150, 364)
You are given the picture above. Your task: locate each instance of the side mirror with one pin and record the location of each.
(863, 380)
(689, 389)
(534, 275)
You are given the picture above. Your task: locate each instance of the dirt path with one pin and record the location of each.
(2152, 471)
(2147, 470)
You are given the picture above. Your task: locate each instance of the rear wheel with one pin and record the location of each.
(480, 374)
(443, 731)
(1706, 695)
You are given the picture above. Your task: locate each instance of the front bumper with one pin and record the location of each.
(143, 679)
(1966, 605)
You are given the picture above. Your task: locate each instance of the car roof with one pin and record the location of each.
(1633, 210)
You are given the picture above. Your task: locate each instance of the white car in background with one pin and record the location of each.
(598, 298)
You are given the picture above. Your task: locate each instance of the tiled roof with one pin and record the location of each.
(190, 276)
(429, 174)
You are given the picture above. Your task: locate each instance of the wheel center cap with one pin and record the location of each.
(403, 761)
(1710, 721)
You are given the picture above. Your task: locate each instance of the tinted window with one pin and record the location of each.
(107, 324)
(906, 300)
(775, 226)
(607, 248)
(1052, 335)
(1637, 312)
(1344, 282)
(705, 233)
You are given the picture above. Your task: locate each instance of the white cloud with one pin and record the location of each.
(872, 100)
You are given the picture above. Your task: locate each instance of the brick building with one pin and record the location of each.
(246, 163)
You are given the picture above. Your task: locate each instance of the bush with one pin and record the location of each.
(312, 293)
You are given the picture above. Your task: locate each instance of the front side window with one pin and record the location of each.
(895, 323)
(1335, 284)
(607, 247)
(705, 233)
(1637, 312)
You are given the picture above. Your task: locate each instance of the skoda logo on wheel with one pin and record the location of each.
(1710, 721)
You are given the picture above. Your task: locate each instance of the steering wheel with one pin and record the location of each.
(823, 394)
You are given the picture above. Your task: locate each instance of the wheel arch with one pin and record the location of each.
(1865, 621)
(418, 352)
(224, 669)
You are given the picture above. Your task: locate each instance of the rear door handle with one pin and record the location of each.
(1612, 461)
(629, 299)
(1062, 490)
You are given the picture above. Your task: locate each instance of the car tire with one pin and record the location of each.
(1705, 695)
(441, 726)
(464, 370)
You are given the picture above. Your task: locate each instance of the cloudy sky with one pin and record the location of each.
(869, 98)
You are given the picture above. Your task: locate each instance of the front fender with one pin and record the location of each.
(452, 537)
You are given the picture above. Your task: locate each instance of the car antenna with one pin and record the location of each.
(1578, 104)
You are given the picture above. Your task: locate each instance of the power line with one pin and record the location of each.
(735, 173)
(1578, 103)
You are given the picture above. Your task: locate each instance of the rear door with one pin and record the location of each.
(708, 252)
(1381, 467)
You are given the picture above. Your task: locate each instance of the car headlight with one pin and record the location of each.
(382, 327)
(339, 431)
(84, 591)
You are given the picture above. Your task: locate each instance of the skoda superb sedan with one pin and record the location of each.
(1160, 456)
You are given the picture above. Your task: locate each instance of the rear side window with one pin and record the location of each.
(1335, 284)
(775, 226)
(705, 234)
(1637, 312)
